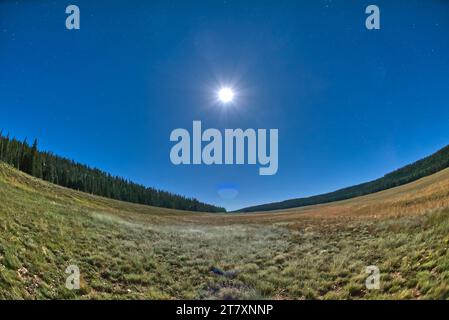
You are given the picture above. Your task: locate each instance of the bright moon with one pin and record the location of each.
(226, 95)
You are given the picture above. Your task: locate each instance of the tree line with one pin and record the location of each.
(68, 173)
(417, 170)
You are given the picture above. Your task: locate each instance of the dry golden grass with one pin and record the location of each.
(130, 251)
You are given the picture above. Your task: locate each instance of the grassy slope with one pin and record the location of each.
(412, 172)
(132, 251)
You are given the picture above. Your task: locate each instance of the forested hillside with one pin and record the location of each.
(67, 173)
(422, 168)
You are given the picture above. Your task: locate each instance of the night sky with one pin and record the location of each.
(350, 104)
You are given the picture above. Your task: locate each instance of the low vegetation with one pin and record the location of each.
(131, 251)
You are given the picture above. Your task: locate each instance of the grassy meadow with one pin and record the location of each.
(129, 251)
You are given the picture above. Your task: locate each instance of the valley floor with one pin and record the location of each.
(128, 251)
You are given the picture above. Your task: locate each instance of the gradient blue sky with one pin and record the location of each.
(350, 104)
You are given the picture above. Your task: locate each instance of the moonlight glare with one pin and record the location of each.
(226, 95)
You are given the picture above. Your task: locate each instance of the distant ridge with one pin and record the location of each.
(419, 169)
